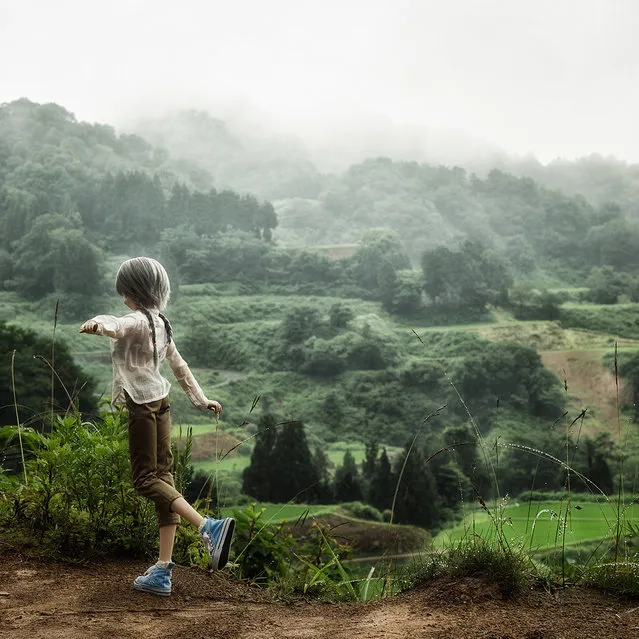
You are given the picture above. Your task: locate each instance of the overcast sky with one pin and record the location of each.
(551, 77)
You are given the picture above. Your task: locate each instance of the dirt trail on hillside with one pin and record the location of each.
(56, 601)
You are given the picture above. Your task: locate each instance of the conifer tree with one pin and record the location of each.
(347, 482)
(256, 479)
(417, 499)
(370, 460)
(293, 474)
(598, 452)
(368, 467)
(382, 485)
(325, 485)
(452, 485)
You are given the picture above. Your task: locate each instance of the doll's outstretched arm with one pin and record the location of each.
(187, 381)
(110, 326)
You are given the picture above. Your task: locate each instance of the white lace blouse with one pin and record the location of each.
(132, 354)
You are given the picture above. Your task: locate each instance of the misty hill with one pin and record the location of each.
(552, 220)
(599, 179)
(268, 166)
(126, 194)
(49, 136)
(537, 230)
(278, 166)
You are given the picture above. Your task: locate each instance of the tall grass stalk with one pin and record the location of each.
(18, 422)
(559, 519)
(300, 519)
(346, 580)
(487, 460)
(320, 575)
(55, 325)
(399, 481)
(497, 520)
(71, 406)
(620, 487)
(217, 460)
(408, 453)
(480, 438)
(219, 457)
(367, 583)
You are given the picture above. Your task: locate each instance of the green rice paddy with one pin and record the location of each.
(543, 525)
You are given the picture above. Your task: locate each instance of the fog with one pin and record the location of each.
(555, 78)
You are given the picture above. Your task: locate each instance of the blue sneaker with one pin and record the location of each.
(217, 535)
(156, 580)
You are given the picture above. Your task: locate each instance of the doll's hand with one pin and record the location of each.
(215, 406)
(89, 327)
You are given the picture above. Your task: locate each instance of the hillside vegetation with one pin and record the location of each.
(454, 338)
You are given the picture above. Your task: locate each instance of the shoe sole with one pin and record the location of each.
(220, 554)
(151, 590)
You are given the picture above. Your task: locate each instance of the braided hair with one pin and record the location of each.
(145, 282)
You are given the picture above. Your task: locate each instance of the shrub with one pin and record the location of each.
(529, 303)
(323, 358)
(606, 285)
(618, 319)
(339, 316)
(78, 499)
(264, 548)
(362, 511)
(513, 374)
(78, 495)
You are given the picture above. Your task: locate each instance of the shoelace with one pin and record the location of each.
(207, 540)
(152, 569)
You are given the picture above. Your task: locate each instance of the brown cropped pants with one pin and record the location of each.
(151, 457)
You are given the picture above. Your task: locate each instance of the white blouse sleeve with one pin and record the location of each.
(116, 327)
(185, 378)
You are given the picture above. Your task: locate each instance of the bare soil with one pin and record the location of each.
(206, 446)
(55, 601)
(590, 384)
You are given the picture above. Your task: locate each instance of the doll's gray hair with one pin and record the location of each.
(144, 281)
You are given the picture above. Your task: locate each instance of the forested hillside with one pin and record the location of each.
(598, 179)
(71, 193)
(356, 348)
(552, 223)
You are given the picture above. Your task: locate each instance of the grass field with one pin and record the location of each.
(231, 464)
(197, 429)
(287, 512)
(299, 397)
(540, 525)
(237, 463)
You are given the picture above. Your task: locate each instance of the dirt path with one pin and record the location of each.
(56, 601)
